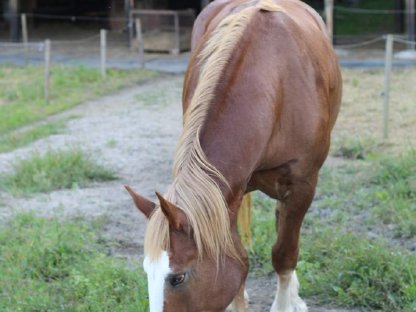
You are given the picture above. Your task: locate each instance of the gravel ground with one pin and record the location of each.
(135, 136)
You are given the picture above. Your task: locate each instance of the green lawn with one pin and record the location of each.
(22, 99)
(350, 246)
(16, 139)
(54, 170)
(48, 265)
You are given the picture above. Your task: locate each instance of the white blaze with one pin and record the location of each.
(156, 274)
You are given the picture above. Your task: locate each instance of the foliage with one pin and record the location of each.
(54, 170)
(47, 265)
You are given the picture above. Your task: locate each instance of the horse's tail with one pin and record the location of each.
(244, 221)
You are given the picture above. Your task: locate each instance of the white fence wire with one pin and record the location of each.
(25, 53)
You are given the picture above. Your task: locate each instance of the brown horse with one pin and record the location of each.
(261, 95)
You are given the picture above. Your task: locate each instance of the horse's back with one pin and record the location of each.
(280, 90)
(294, 38)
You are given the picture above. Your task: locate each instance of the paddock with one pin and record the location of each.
(136, 138)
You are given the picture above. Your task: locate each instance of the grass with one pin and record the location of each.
(54, 170)
(354, 148)
(13, 140)
(351, 270)
(349, 247)
(47, 265)
(361, 115)
(395, 184)
(156, 98)
(21, 90)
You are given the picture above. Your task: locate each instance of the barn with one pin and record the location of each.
(102, 11)
(352, 17)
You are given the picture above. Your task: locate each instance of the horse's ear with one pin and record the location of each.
(144, 205)
(175, 215)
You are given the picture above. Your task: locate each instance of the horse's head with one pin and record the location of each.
(180, 278)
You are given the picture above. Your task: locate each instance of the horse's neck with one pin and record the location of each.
(227, 149)
(233, 134)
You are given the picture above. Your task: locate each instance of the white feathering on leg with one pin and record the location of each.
(287, 296)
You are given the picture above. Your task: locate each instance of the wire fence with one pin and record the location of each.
(390, 39)
(157, 25)
(19, 53)
(78, 39)
(352, 25)
(91, 51)
(74, 18)
(351, 22)
(370, 11)
(362, 44)
(124, 39)
(86, 50)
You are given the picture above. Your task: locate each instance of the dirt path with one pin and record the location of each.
(133, 132)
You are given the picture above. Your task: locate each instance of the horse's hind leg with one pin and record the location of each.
(289, 214)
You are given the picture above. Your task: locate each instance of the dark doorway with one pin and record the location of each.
(185, 4)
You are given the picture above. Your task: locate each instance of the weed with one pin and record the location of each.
(396, 193)
(151, 99)
(354, 148)
(54, 170)
(264, 234)
(111, 143)
(398, 169)
(13, 140)
(349, 269)
(47, 265)
(355, 82)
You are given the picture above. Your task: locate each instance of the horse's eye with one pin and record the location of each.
(176, 280)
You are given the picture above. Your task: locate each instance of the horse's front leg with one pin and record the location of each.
(240, 302)
(285, 252)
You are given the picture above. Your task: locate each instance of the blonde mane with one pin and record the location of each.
(196, 184)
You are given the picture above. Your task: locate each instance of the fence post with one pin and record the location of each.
(14, 19)
(128, 6)
(329, 17)
(103, 48)
(177, 48)
(387, 73)
(130, 30)
(47, 69)
(410, 8)
(24, 35)
(140, 42)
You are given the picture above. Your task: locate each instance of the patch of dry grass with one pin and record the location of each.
(361, 114)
